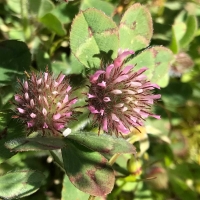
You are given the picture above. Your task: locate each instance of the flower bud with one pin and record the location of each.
(134, 166)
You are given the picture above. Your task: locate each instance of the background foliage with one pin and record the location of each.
(168, 149)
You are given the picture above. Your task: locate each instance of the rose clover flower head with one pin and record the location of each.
(119, 97)
(44, 103)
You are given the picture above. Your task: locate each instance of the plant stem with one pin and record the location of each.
(114, 158)
(118, 190)
(50, 43)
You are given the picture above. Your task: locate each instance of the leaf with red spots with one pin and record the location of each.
(89, 171)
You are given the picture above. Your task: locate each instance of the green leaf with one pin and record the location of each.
(93, 37)
(89, 171)
(74, 66)
(40, 7)
(17, 6)
(104, 6)
(164, 81)
(65, 12)
(15, 57)
(53, 23)
(104, 144)
(179, 25)
(43, 59)
(174, 46)
(57, 158)
(158, 128)
(69, 191)
(19, 184)
(68, 66)
(191, 28)
(7, 93)
(136, 29)
(157, 59)
(9, 129)
(178, 177)
(182, 190)
(163, 59)
(176, 93)
(35, 144)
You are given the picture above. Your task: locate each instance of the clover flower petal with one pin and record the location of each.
(44, 103)
(119, 97)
